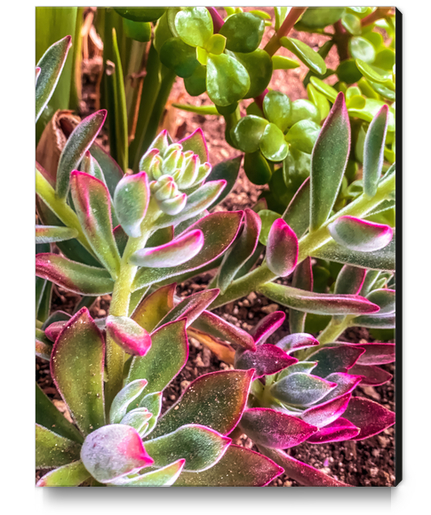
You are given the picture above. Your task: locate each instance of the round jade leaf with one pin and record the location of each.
(277, 107)
(248, 132)
(385, 59)
(216, 44)
(352, 24)
(268, 217)
(179, 57)
(304, 53)
(303, 135)
(348, 72)
(303, 110)
(144, 14)
(243, 31)
(196, 84)
(328, 91)
(257, 168)
(361, 48)
(194, 25)
(321, 17)
(227, 79)
(375, 38)
(272, 143)
(296, 167)
(259, 68)
(356, 102)
(139, 31)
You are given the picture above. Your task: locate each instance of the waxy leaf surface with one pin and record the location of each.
(128, 334)
(266, 360)
(369, 416)
(337, 431)
(281, 249)
(327, 412)
(360, 235)
(154, 307)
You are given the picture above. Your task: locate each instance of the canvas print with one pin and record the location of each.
(215, 246)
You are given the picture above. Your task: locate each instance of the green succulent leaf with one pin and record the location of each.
(301, 389)
(131, 199)
(351, 23)
(179, 57)
(53, 450)
(259, 68)
(303, 135)
(142, 14)
(305, 54)
(272, 143)
(248, 132)
(227, 79)
(361, 48)
(191, 307)
(154, 307)
(194, 25)
(281, 62)
(124, 398)
(321, 17)
(267, 217)
(257, 168)
(301, 110)
(297, 213)
(277, 107)
(139, 31)
(72, 474)
(243, 32)
(196, 84)
(165, 476)
(52, 234)
(328, 91)
(227, 171)
(373, 152)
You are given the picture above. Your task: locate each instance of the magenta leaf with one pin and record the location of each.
(128, 334)
(346, 383)
(350, 280)
(327, 412)
(377, 354)
(301, 389)
(335, 359)
(73, 276)
(165, 476)
(131, 199)
(167, 356)
(337, 431)
(154, 307)
(267, 326)
(200, 446)
(77, 144)
(241, 250)
(219, 230)
(218, 327)
(72, 474)
(371, 375)
(53, 450)
(124, 398)
(297, 341)
(305, 475)
(113, 451)
(275, 429)
(191, 307)
(385, 299)
(51, 233)
(266, 360)
(369, 416)
(374, 146)
(303, 279)
(238, 467)
(196, 142)
(77, 365)
(360, 235)
(175, 253)
(215, 400)
(281, 249)
(91, 200)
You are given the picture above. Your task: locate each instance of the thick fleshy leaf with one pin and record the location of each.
(281, 249)
(238, 467)
(172, 254)
(154, 307)
(303, 135)
(111, 169)
(346, 383)
(77, 364)
(377, 353)
(248, 132)
(318, 303)
(113, 451)
(124, 398)
(227, 171)
(139, 419)
(325, 413)
(200, 446)
(128, 334)
(91, 200)
(72, 474)
(267, 326)
(371, 375)
(196, 142)
(303, 279)
(297, 341)
(219, 230)
(375, 322)
(360, 235)
(328, 162)
(220, 328)
(165, 476)
(191, 307)
(306, 475)
(215, 400)
(223, 351)
(266, 360)
(297, 213)
(76, 277)
(227, 79)
(268, 217)
(272, 143)
(275, 429)
(179, 57)
(373, 151)
(194, 25)
(369, 416)
(53, 450)
(350, 280)
(50, 66)
(258, 65)
(243, 31)
(241, 250)
(335, 359)
(276, 106)
(301, 389)
(51, 234)
(304, 53)
(141, 14)
(166, 357)
(303, 367)
(337, 431)
(78, 143)
(131, 199)
(48, 416)
(385, 298)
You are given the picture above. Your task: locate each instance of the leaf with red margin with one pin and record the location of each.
(73, 276)
(346, 383)
(154, 307)
(297, 214)
(375, 322)
(111, 169)
(219, 230)
(165, 359)
(196, 142)
(131, 198)
(200, 446)
(371, 375)
(335, 359)
(218, 327)
(303, 279)
(350, 280)
(165, 476)
(124, 398)
(327, 412)
(241, 250)
(385, 299)
(377, 354)
(52, 233)
(275, 429)
(374, 146)
(266, 360)
(223, 351)
(191, 307)
(369, 416)
(72, 474)
(113, 451)
(128, 334)
(297, 341)
(77, 365)
(267, 326)
(238, 467)
(301, 389)
(360, 235)
(337, 431)
(216, 400)
(93, 209)
(281, 249)
(53, 450)
(43, 345)
(228, 171)
(304, 474)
